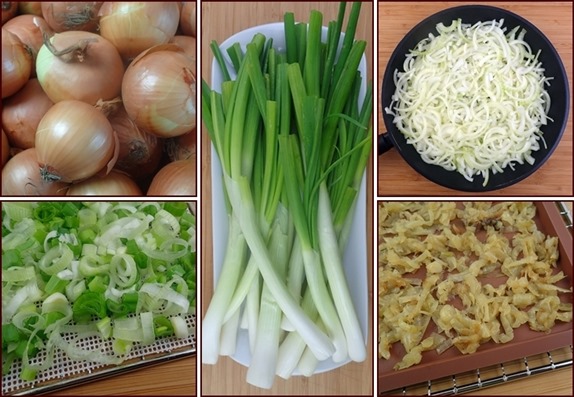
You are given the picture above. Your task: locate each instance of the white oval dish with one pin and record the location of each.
(355, 257)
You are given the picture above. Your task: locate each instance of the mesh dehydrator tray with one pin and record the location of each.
(456, 374)
(66, 373)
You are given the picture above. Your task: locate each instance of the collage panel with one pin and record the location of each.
(99, 298)
(474, 294)
(254, 223)
(473, 106)
(475, 103)
(99, 99)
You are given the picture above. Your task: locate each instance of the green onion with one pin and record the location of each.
(293, 138)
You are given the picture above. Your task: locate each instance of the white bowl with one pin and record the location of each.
(355, 257)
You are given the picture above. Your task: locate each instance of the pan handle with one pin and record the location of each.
(384, 143)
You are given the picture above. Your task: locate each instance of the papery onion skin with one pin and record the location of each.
(74, 141)
(136, 26)
(115, 183)
(177, 178)
(20, 177)
(188, 44)
(182, 147)
(16, 63)
(29, 30)
(97, 75)
(5, 148)
(72, 15)
(140, 152)
(22, 113)
(30, 7)
(159, 90)
(9, 10)
(187, 22)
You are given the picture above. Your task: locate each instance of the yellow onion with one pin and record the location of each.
(79, 65)
(74, 141)
(115, 183)
(187, 20)
(9, 10)
(22, 113)
(177, 178)
(71, 15)
(136, 26)
(182, 147)
(21, 177)
(5, 149)
(159, 89)
(188, 44)
(29, 29)
(30, 7)
(16, 63)
(140, 152)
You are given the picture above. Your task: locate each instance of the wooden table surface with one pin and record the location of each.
(172, 378)
(554, 178)
(219, 21)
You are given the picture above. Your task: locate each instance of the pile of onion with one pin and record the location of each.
(99, 98)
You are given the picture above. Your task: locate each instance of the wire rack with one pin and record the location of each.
(482, 378)
(566, 214)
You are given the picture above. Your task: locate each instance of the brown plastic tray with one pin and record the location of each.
(526, 342)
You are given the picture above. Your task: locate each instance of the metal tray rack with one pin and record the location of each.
(495, 375)
(482, 378)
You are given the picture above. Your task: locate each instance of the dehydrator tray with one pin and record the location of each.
(66, 373)
(552, 221)
(494, 375)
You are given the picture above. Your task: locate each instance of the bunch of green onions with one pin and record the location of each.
(293, 143)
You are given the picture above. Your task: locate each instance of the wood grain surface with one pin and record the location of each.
(554, 178)
(173, 378)
(219, 21)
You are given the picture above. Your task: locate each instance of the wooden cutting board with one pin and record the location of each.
(554, 178)
(219, 21)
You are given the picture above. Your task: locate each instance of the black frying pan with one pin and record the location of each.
(558, 91)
